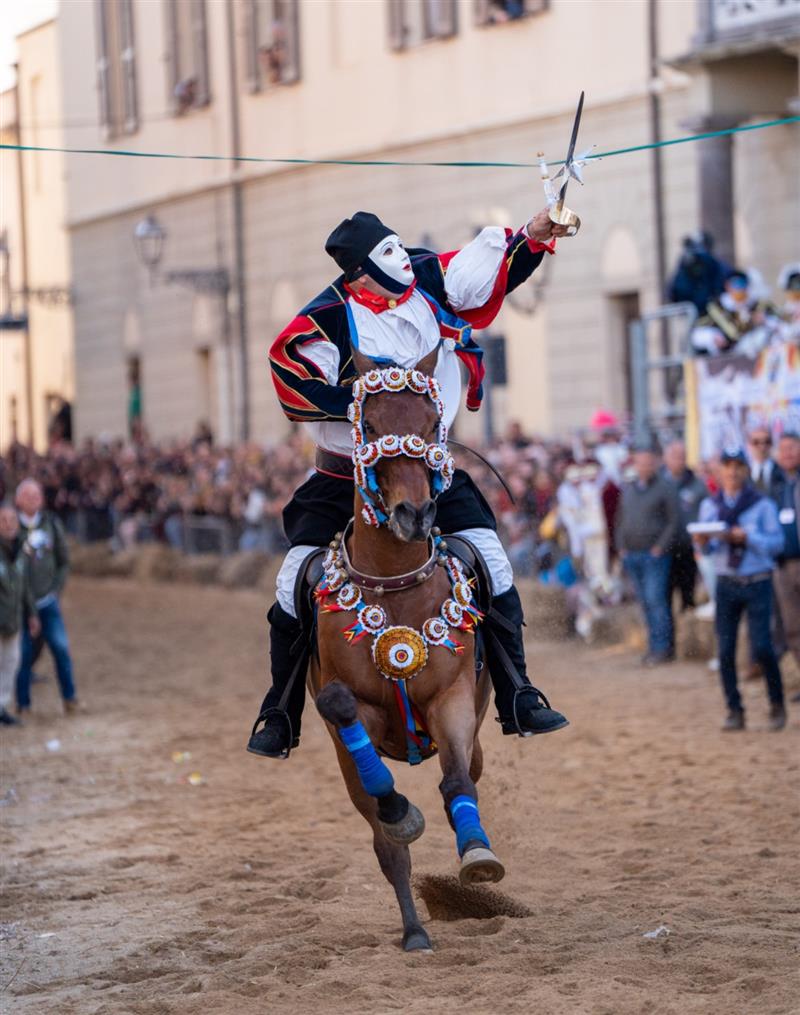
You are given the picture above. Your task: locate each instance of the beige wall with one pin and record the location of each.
(48, 261)
(500, 92)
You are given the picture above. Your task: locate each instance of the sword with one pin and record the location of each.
(559, 213)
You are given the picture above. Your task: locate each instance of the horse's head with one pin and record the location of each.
(399, 445)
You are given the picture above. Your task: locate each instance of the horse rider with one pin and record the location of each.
(395, 306)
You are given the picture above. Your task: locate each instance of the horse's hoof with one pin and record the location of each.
(416, 940)
(480, 866)
(403, 833)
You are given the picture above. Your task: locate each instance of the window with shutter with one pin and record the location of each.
(116, 67)
(497, 12)
(412, 22)
(187, 44)
(272, 38)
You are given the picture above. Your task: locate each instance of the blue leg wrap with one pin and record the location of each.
(467, 821)
(375, 776)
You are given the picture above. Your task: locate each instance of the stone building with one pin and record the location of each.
(36, 348)
(401, 80)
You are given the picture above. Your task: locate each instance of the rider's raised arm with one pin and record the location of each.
(305, 367)
(475, 280)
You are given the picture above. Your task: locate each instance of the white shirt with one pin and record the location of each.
(407, 333)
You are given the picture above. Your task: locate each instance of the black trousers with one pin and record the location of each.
(683, 574)
(323, 506)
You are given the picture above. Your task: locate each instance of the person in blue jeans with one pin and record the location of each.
(744, 558)
(47, 561)
(647, 524)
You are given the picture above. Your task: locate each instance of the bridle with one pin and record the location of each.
(367, 454)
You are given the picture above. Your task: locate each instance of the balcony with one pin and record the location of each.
(748, 23)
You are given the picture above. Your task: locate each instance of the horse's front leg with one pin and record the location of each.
(395, 822)
(452, 721)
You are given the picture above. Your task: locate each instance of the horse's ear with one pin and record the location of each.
(362, 363)
(427, 364)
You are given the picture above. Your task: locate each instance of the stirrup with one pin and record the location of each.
(512, 725)
(263, 717)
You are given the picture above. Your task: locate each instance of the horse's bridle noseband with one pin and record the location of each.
(367, 454)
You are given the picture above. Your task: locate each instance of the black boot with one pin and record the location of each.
(282, 708)
(522, 709)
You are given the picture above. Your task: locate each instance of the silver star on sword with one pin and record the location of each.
(555, 187)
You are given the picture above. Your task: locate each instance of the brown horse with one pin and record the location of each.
(359, 703)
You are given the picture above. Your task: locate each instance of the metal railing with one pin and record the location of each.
(658, 390)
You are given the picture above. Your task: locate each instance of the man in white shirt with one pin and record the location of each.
(395, 306)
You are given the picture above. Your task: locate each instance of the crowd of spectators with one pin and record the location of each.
(736, 311)
(130, 492)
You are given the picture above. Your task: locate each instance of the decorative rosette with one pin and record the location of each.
(434, 389)
(455, 570)
(372, 618)
(400, 652)
(435, 457)
(394, 379)
(389, 445)
(413, 446)
(373, 382)
(359, 472)
(436, 632)
(370, 515)
(336, 579)
(452, 613)
(349, 597)
(462, 593)
(417, 382)
(448, 469)
(357, 436)
(354, 412)
(359, 390)
(443, 432)
(370, 453)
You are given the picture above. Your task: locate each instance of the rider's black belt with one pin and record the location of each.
(330, 464)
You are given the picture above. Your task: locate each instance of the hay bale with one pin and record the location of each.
(90, 559)
(618, 625)
(269, 576)
(199, 569)
(155, 562)
(123, 563)
(243, 570)
(547, 612)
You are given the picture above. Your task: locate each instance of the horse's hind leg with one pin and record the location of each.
(394, 857)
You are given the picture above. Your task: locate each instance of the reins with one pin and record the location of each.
(487, 463)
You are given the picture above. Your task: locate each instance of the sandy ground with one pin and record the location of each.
(128, 889)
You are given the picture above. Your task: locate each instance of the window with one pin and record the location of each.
(272, 40)
(116, 67)
(187, 54)
(495, 12)
(414, 21)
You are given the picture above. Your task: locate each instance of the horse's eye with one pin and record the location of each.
(368, 428)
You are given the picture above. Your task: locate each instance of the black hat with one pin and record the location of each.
(733, 455)
(352, 240)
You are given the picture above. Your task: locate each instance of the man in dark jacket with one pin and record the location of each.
(647, 523)
(45, 547)
(16, 601)
(692, 491)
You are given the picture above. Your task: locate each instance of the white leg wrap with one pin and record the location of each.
(491, 549)
(287, 577)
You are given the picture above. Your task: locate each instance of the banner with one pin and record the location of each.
(733, 394)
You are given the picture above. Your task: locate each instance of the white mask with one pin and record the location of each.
(390, 257)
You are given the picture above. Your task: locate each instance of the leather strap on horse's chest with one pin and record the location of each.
(395, 583)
